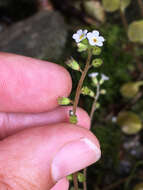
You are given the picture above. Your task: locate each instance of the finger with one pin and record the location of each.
(39, 157)
(63, 184)
(31, 85)
(11, 123)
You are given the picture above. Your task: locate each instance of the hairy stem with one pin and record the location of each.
(76, 100)
(78, 90)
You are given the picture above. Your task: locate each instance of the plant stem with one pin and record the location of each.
(78, 90)
(75, 181)
(95, 101)
(91, 117)
(76, 100)
(85, 180)
(140, 3)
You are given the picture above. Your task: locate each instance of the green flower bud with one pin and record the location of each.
(63, 101)
(103, 91)
(72, 63)
(86, 91)
(97, 106)
(69, 177)
(97, 62)
(80, 177)
(96, 50)
(94, 81)
(72, 117)
(81, 47)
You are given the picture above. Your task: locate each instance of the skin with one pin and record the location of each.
(34, 129)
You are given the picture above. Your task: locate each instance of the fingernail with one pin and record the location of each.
(73, 157)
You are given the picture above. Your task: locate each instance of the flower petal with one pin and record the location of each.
(85, 31)
(91, 41)
(75, 36)
(89, 35)
(79, 32)
(98, 43)
(101, 38)
(95, 32)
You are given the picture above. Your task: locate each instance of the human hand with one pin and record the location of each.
(38, 147)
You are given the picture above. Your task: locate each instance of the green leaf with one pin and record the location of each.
(130, 89)
(135, 31)
(95, 10)
(124, 4)
(129, 122)
(111, 5)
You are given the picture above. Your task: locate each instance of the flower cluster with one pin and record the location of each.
(102, 78)
(93, 37)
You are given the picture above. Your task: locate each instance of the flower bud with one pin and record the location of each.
(63, 101)
(97, 62)
(86, 91)
(96, 50)
(72, 63)
(97, 105)
(81, 47)
(80, 177)
(69, 177)
(103, 91)
(72, 117)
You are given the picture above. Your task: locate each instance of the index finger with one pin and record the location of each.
(31, 85)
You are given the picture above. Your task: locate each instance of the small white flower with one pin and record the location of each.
(95, 39)
(79, 35)
(104, 77)
(114, 119)
(92, 75)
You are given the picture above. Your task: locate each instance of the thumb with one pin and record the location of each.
(37, 158)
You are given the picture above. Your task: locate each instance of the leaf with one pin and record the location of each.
(130, 89)
(135, 31)
(111, 5)
(124, 4)
(95, 10)
(129, 122)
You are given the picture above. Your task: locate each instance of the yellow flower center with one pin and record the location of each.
(81, 36)
(95, 40)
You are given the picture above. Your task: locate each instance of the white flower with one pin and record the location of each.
(92, 75)
(104, 77)
(114, 119)
(95, 39)
(79, 35)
